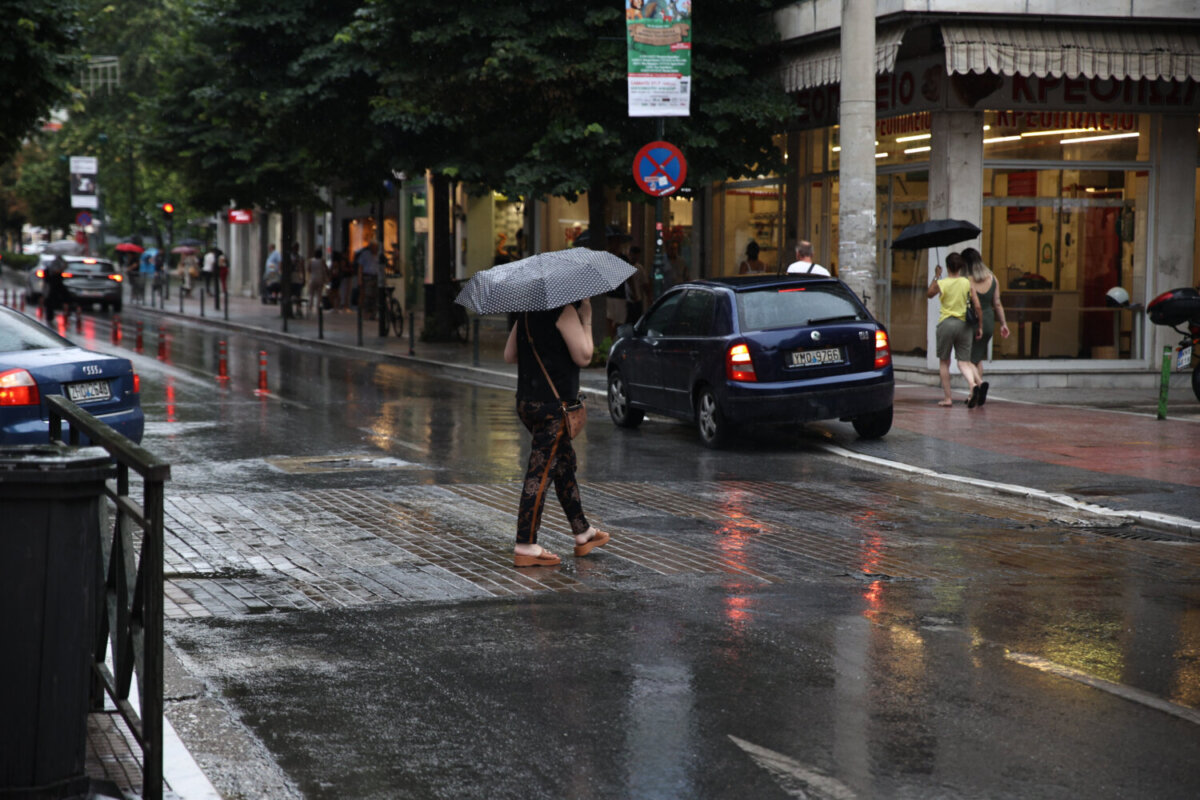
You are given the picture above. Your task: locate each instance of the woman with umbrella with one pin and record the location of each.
(954, 333)
(562, 340)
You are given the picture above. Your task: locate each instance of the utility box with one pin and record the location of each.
(50, 590)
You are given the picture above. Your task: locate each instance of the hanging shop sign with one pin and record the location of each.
(659, 169)
(241, 216)
(658, 39)
(83, 182)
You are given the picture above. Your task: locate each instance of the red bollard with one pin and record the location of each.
(223, 367)
(6, 295)
(162, 342)
(22, 301)
(262, 389)
(138, 343)
(116, 329)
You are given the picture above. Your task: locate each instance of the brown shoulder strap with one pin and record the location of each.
(529, 336)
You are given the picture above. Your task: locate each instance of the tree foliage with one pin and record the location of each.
(530, 98)
(255, 105)
(37, 48)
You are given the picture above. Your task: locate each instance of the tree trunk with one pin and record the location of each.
(439, 323)
(287, 236)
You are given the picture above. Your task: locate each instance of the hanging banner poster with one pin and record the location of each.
(83, 182)
(658, 35)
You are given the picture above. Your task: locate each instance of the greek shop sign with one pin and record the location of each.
(658, 39)
(923, 85)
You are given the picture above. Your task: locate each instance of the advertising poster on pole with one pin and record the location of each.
(659, 42)
(83, 182)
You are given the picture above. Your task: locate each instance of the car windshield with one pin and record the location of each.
(797, 306)
(21, 333)
(90, 265)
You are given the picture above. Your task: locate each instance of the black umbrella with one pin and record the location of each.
(544, 281)
(935, 233)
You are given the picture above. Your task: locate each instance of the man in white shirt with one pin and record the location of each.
(803, 265)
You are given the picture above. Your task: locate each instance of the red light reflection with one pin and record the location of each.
(171, 399)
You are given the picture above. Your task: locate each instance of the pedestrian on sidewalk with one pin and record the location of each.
(562, 340)
(317, 278)
(272, 275)
(209, 270)
(222, 273)
(367, 261)
(342, 280)
(987, 287)
(953, 333)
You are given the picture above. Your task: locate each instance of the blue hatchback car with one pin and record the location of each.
(754, 350)
(36, 362)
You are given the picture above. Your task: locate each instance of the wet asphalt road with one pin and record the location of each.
(769, 621)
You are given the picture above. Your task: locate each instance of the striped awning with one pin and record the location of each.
(823, 64)
(1058, 50)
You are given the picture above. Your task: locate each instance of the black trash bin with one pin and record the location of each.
(49, 585)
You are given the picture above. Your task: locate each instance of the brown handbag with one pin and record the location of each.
(574, 413)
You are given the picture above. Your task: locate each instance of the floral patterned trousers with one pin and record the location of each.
(551, 457)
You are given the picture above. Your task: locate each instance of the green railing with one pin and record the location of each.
(131, 618)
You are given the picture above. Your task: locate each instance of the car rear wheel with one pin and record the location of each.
(618, 403)
(875, 425)
(710, 422)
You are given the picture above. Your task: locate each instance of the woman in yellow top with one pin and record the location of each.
(953, 332)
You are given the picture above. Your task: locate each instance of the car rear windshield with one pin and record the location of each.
(91, 266)
(797, 306)
(20, 333)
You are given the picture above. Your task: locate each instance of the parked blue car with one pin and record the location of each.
(754, 350)
(36, 362)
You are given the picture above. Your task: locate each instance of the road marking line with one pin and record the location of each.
(1167, 521)
(1119, 689)
(795, 778)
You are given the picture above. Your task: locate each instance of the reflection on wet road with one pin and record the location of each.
(768, 622)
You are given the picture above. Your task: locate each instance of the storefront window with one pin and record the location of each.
(903, 200)
(749, 212)
(1059, 240)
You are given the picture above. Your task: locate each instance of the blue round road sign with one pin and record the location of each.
(659, 169)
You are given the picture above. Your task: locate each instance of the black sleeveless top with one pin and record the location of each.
(531, 383)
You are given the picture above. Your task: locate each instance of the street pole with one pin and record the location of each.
(856, 166)
(660, 258)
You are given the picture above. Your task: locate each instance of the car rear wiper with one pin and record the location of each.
(843, 318)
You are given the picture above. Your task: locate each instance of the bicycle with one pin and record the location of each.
(395, 314)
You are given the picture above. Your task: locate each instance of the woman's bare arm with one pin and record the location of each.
(576, 329)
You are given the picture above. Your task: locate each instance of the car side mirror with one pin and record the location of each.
(625, 331)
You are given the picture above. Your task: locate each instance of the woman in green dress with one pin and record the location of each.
(985, 284)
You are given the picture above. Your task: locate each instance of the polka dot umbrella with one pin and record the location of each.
(544, 281)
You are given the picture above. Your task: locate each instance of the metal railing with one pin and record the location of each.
(131, 621)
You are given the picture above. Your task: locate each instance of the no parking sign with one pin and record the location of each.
(659, 169)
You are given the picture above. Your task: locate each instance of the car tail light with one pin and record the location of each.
(137, 383)
(68, 274)
(41, 273)
(18, 388)
(115, 277)
(738, 366)
(883, 352)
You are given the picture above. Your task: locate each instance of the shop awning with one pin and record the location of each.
(1057, 50)
(823, 64)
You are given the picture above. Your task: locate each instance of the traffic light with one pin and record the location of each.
(168, 212)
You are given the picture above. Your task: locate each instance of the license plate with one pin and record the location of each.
(1184, 359)
(90, 293)
(809, 358)
(88, 391)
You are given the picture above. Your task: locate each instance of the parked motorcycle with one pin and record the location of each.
(1175, 309)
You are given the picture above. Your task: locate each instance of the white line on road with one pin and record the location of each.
(795, 778)
(1118, 689)
(1154, 518)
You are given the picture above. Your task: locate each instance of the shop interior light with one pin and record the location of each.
(837, 148)
(917, 138)
(995, 139)
(1104, 138)
(911, 150)
(1058, 132)
(881, 155)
